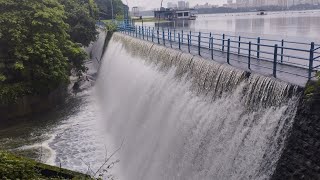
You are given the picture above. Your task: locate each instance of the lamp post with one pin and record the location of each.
(112, 17)
(159, 15)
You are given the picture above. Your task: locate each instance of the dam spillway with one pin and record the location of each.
(184, 117)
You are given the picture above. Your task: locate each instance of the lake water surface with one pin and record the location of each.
(293, 25)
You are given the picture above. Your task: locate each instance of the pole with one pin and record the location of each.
(258, 48)
(179, 41)
(249, 56)
(228, 52)
(275, 60)
(223, 36)
(158, 36)
(212, 48)
(311, 61)
(199, 44)
(188, 42)
(282, 44)
(163, 38)
(239, 45)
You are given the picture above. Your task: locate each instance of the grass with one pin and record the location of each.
(15, 167)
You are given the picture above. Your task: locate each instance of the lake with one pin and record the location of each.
(291, 25)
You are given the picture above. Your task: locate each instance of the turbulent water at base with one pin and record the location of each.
(183, 117)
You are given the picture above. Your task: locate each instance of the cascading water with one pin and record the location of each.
(183, 117)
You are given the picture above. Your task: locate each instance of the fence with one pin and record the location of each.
(259, 52)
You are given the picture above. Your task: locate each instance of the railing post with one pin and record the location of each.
(152, 34)
(282, 44)
(136, 31)
(182, 36)
(190, 38)
(142, 32)
(158, 36)
(199, 44)
(139, 32)
(188, 42)
(179, 41)
(249, 56)
(258, 48)
(174, 35)
(223, 37)
(228, 52)
(212, 48)
(210, 41)
(148, 30)
(311, 61)
(275, 60)
(170, 39)
(163, 38)
(239, 45)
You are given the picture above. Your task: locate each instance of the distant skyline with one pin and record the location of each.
(152, 4)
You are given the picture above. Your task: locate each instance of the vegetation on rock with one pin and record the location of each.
(14, 167)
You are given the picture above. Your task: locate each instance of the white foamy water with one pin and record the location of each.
(196, 120)
(178, 116)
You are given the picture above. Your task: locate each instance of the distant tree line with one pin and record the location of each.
(40, 42)
(105, 8)
(267, 8)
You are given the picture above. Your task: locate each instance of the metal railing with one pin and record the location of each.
(245, 50)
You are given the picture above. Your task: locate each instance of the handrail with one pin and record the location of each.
(279, 53)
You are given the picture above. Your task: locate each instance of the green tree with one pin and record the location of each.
(36, 51)
(81, 16)
(106, 8)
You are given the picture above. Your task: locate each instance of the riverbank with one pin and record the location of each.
(15, 167)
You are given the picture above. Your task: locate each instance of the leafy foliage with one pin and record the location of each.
(105, 7)
(81, 15)
(40, 41)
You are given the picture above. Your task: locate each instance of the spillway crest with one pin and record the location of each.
(184, 117)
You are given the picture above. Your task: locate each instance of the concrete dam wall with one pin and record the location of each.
(185, 117)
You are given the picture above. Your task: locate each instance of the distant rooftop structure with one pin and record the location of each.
(175, 14)
(135, 11)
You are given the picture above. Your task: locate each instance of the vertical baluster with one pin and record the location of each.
(239, 45)
(199, 44)
(258, 48)
(163, 37)
(249, 56)
(282, 44)
(275, 60)
(182, 36)
(188, 38)
(228, 52)
(212, 48)
(311, 58)
(158, 36)
(223, 37)
(179, 41)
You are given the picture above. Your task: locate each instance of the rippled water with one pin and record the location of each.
(291, 25)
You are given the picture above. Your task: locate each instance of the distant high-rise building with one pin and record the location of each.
(187, 5)
(181, 4)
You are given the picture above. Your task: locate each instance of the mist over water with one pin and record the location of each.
(182, 117)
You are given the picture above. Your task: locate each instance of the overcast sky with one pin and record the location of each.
(151, 4)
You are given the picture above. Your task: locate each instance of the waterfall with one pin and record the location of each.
(184, 117)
